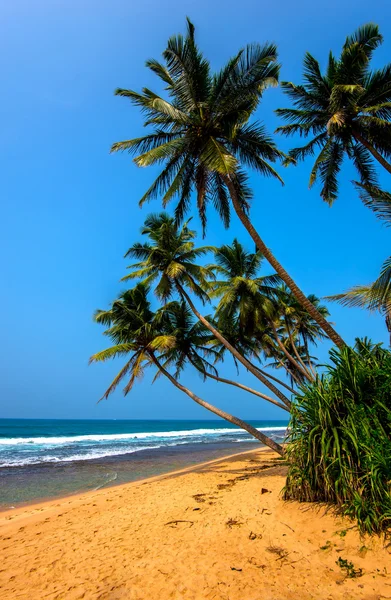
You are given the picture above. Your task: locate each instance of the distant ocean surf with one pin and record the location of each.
(46, 458)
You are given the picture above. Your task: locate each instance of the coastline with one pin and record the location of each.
(49, 502)
(43, 460)
(216, 530)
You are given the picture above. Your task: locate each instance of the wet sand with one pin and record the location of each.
(216, 531)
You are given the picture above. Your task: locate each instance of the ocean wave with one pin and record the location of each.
(36, 460)
(66, 440)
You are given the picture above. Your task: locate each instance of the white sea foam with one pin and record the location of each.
(66, 440)
(35, 460)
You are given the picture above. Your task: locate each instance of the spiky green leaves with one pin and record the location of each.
(346, 109)
(170, 258)
(201, 132)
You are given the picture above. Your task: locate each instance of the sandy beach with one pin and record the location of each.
(216, 531)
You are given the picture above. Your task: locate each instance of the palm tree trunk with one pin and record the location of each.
(220, 413)
(276, 380)
(380, 159)
(242, 387)
(310, 375)
(288, 354)
(233, 350)
(310, 363)
(296, 291)
(290, 373)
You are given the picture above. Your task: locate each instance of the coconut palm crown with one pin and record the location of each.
(201, 132)
(346, 110)
(170, 256)
(241, 290)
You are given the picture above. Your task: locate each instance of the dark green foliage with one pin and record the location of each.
(349, 568)
(200, 131)
(344, 111)
(340, 437)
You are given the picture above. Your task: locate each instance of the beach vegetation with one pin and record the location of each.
(339, 448)
(144, 337)
(345, 111)
(204, 137)
(348, 567)
(204, 133)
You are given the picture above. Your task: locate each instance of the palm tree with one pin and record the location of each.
(140, 335)
(280, 361)
(242, 291)
(346, 111)
(246, 295)
(170, 258)
(376, 296)
(254, 348)
(193, 347)
(203, 136)
(298, 325)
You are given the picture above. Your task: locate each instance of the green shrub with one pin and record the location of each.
(340, 437)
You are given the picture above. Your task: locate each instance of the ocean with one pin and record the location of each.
(43, 459)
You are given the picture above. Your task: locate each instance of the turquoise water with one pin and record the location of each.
(48, 458)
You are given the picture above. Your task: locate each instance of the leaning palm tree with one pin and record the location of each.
(257, 347)
(346, 111)
(246, 295)
(193, 347)
(280, 361)
(170, 259)
(298, 325)
(141, 336)
(203, 136)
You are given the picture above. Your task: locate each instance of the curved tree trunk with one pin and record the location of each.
(266, 374)
(289, 355)
(221, 413)
(300, 360)
(233, 350)
(242, 387)
(290, 373)
(310, 363)
(310, 374)
(380, 159)
(296, 291)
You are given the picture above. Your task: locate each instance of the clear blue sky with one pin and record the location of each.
(69, 209)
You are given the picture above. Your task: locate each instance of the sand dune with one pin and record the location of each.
(220, 531)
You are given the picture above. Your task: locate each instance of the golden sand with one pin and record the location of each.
(217, 532)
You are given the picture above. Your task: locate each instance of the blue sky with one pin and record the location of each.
(69, 209)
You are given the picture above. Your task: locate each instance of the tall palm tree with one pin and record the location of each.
(140, 336)
(203, 136)
(170, 259)
(346, 111)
